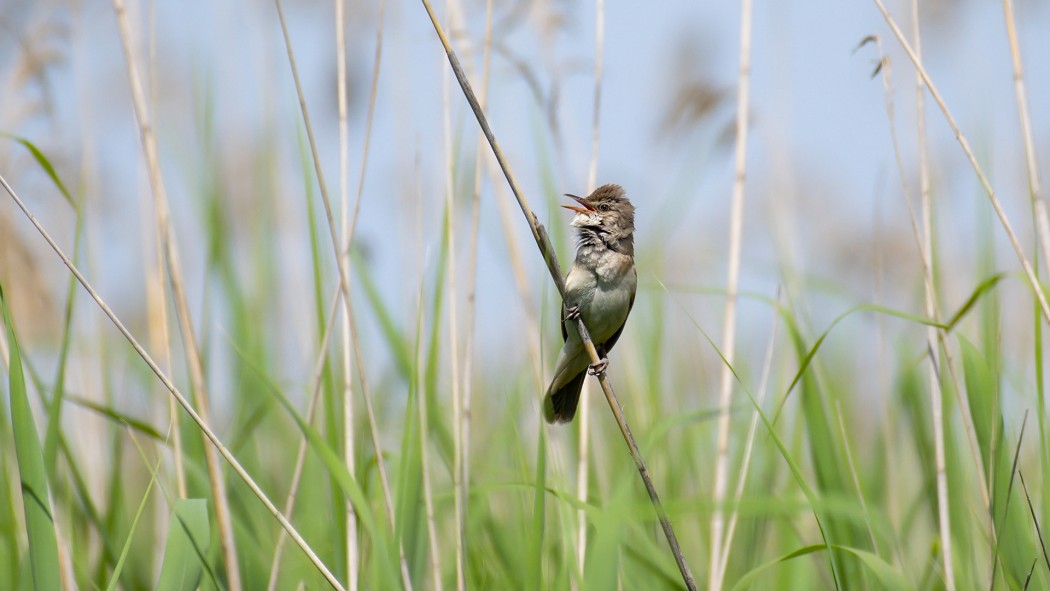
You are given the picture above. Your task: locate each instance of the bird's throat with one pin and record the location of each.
(597, 238)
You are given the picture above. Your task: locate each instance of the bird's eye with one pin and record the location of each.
(603, 207)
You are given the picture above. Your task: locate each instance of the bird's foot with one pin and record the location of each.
(572, 313)
(598, 368)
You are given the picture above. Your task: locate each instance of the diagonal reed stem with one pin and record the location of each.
(539, 234)
(179, 397)
(916, 61)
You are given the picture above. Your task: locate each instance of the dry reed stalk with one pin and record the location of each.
(156, 295)
(539, 234)
(174, 268)
(965, 145)
(933, 369)
(349, 323)
(472, 276)
(925, 258)
(736, 221)
(458, 493)
(936, 338)
(175, 392)
(337, 244)
(159, 334)
(428, 495)
(1034, 183)
(763, 387)
(352, 563)
(582, 466)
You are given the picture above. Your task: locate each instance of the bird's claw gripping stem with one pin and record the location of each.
(598, 368)
(572, 313)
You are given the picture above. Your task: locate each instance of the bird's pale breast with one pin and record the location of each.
(602, 285)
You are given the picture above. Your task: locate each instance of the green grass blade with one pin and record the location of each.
(44, 163)
(115, 577)
(186, 551)
(399, 346)
(886, 576)
(386, 554)
(54, 419)
(749, 578)
(539, 511)
(40, 526)
(120, 418)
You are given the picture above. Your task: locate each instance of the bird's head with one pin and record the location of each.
(605, 211)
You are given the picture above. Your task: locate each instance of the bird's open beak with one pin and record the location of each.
(585, 209)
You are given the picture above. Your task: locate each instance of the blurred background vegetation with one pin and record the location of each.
(455, 481)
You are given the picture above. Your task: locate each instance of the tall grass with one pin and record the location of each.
(404, 452)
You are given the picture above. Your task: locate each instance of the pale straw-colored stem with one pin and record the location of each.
(1032, 163)
(925, 255)
(189, 339)
(472, 280)
(583, 461)
(349, 320)
(458, 493)
(156, 295)
(339, 246)
(352, 562)
(736, 222)
(183, 402)
(763, 387)
(428, 496)
(160, 341)
(965, 145)
(934, 368)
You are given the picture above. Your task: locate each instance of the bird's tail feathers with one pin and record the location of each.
(559, 406)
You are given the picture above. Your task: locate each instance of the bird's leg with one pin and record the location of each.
(600, 367)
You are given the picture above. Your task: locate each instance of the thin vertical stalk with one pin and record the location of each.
(428, 495)
(933, 370)
(736, 221)
(1035, 191)
(927, 270)
(582, 466)
(349, 320)
(160, 340)
(338, 246)
(189, 338)
(157, 297)
(749, 445)
(352, 554)
(1032, 164)
(458, 493)
(472, 276)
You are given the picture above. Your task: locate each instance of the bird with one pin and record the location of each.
(599, 288)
